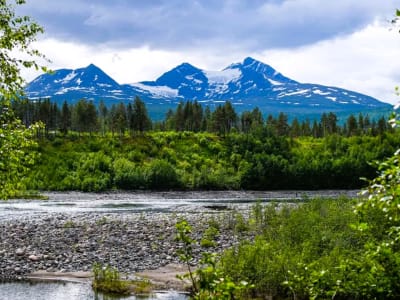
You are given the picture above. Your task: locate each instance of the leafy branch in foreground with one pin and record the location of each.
(208, 280)
(16, 141)
(17, 35)
(17, 153)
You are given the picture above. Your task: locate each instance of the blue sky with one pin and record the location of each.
(345, 43)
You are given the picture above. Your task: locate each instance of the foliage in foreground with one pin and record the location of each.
(208, 281)
(17, 153)
(323, 248)
(16, 140)
(288, 239)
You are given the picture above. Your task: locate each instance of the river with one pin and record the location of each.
(167, 202)
(75, 203)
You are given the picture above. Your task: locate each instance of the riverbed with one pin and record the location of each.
(133, 231)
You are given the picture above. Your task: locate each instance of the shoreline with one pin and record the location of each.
(161, 279)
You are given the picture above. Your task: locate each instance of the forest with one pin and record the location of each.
(89, 148)
(121, 119)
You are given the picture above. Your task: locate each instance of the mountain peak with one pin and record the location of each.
(249, 61)
(185, 72)
(185, 68)
(258, 66)
(92, 66)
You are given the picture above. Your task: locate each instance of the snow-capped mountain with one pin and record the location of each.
(85, 82)
(247, 84)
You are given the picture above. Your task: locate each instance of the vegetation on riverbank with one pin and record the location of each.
(319, 249)
(189, 160)
(108, 280)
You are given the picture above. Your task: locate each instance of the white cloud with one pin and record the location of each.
(365, 61)
(185, 25)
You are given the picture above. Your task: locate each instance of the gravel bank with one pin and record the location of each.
(73, 242)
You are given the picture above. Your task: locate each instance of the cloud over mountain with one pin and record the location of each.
(179, 24)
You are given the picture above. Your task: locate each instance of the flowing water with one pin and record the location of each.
(141, 202)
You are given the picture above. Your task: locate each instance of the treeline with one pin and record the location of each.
(202, 161)
(121, 119)
(84, 116)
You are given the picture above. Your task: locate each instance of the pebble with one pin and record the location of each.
(74, 242)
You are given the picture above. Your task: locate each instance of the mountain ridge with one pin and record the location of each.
(247, 84)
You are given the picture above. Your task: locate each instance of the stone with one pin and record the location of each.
(33, 257)
(20, 251)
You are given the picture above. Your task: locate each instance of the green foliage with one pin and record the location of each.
(160, 174)
(187, 160)
(17, 153)
(209, 236)
(372, 270)
(127, 175)
(240, 223)
(215, 284)
(208, 281)
(139, 119)
(16, 140)
(108, 280)
(321, 248)
(291, 239)
(18, 33)
(185, 252)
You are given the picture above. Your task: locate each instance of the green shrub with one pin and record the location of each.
(108, 280)
(127, 175)
(160, 174)
(292, 241)
(208, 281)
(209, 236)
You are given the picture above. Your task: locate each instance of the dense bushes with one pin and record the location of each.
(322, 248)
(160, 174)
(288, 239)
(127, 175)
(187, 160)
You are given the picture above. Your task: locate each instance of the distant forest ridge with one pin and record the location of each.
(85, 116)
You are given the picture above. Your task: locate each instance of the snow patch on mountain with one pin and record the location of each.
(292, 93)
(68, 78)
(273, 82)
(222, 77)
(319, 92)
(331, 98)
(160, 91)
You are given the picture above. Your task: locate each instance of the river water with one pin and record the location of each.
(128, 203)
(140, 202)
(69, 291)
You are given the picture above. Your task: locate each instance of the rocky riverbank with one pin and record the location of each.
(73, 242)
